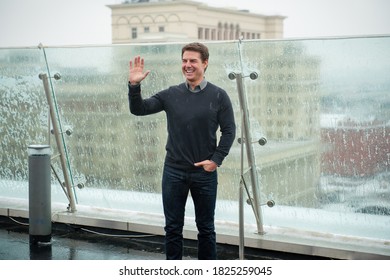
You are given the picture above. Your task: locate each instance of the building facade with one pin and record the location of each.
(356, 149)
(180, 20)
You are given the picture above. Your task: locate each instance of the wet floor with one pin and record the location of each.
(76, 244)
(72, 242)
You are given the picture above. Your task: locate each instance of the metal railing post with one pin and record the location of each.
(249, 149)
(59, 143)
(246, 139)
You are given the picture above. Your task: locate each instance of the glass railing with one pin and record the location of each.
(322, 104)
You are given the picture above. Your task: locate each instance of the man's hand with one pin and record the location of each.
(136, 73)
(208, 165)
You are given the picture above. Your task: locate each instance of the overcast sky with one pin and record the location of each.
(73, 22)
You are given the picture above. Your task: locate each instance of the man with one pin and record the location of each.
(194, 109)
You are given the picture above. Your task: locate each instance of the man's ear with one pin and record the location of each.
(205, 63)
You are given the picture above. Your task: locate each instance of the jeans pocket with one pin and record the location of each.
(209, 171)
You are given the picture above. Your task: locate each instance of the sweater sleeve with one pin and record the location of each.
(141, 107)
(228, 130)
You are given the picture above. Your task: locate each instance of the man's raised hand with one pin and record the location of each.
(136, 73)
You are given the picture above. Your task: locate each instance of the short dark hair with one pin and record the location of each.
(197, 47)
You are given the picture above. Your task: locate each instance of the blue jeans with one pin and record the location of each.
(176, 185)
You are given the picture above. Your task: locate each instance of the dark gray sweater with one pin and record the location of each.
(192, 120)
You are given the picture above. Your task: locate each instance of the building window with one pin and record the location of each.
(231, 32)
(134, 33)
(237, 31)
(237, 36)
(200, 33)
(146, 29)
(213, 34)
(207, 34)
(226, 32)
(161, 29)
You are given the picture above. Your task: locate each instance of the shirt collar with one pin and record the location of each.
(199, 87)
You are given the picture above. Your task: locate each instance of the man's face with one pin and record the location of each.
(192, 66)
